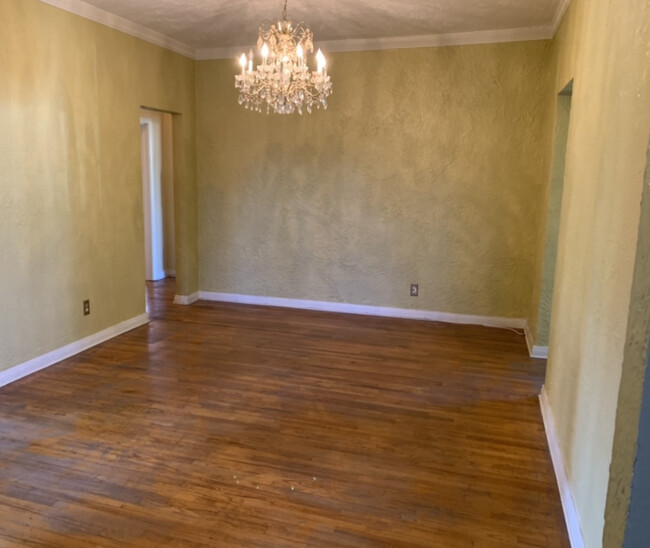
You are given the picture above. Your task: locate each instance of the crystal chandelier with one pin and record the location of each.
(283, 81)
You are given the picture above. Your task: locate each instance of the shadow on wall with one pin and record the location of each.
(562, 123)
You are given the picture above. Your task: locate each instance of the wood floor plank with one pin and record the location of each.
(243, 426)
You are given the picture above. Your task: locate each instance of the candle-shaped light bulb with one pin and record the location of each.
(250, 61)
(242, 62)
(320, 59)
(300, 53)
(265, 52)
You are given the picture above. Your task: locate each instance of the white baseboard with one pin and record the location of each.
(345, 308)
(46, 360)
(570, 512)
(539, 352)
(533, 350)
(186, 299)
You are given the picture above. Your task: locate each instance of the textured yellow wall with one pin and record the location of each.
(431, 166)
(630, 398)
(71, 223)
(564, 51)
(544, 281)
(167, 188)
(604, 46)
(428, 167)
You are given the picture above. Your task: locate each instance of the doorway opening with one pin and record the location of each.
(563, 119)
(158, 195)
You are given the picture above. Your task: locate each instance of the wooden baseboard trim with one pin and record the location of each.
(46, 360)
(345, 308)
(570, 512)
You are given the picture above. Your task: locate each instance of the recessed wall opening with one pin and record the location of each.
(158, 194)
(156, 144)
(563, 119)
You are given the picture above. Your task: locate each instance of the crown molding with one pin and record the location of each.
(209, 54)
(85, 10)
(405, 42)
(559, 15)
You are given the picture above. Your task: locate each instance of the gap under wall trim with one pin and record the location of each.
(568, 505)
(367, 310)
(46, 360)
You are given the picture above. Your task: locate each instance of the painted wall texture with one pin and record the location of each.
(540, 323)
(564, 51)
(427, 167)
(637, 528)
(628, 497)
(431, 166)
(70, 183)
(604, 45)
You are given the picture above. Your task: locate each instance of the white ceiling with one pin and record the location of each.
(219, 28)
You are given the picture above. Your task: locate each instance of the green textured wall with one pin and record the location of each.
(563, 54)
(428, 167)
(604, 46)
(542, 325)
(71, 221)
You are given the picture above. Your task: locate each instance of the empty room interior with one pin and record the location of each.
(378, 279)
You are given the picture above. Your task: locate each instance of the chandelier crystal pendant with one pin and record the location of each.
(283, 81)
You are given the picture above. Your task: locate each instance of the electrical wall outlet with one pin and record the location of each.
(414, 290)
(86, 307)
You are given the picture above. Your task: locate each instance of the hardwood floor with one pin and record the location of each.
(221, 425)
